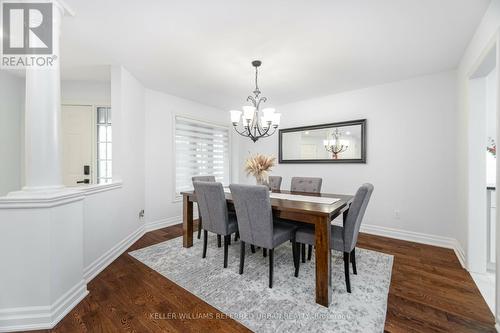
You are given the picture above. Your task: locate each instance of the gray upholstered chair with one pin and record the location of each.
(306, 184)
(309, 185)
(343, 239)
(213, 208)
(203, 179)
(256, 223)
(275, 183)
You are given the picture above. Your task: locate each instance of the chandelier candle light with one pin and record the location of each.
(336, 146)
(254, 125)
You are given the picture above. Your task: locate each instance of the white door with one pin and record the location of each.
(308, 151)
(77, 144)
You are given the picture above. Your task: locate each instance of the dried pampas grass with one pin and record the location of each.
(259, 165)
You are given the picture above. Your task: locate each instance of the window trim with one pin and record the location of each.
(95, 178)
(178, 198)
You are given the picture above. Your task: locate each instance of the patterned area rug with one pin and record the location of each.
(290, 305)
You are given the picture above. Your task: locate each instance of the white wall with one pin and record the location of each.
(111, 217)
(483, 36)
(491, 130)
(410, 150)
(11, 141)
(86, 92)
(477, 231)
(160, 109)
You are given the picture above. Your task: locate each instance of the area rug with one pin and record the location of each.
(290, 305)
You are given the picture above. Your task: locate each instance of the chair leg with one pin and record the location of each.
(353, 261)
(227, 241)
(252, 248)
(205, 238)
(297, 259)
(294, 252)
(199, 227)
(309, 251)
(264, 253)
(242, 256)
(346, 271)
(303, 250)
(271, 266)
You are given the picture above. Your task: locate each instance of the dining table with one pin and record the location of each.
(318, 209)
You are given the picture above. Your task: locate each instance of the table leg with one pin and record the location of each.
(187, 222)
(323, 263)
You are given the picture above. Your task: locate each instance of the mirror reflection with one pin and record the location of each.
(323, 143)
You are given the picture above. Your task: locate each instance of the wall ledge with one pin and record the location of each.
(53, 198)
(40, 199)
(98, 188)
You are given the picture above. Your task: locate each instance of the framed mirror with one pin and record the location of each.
(342, 142)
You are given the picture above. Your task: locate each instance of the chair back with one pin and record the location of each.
(355, 216)
(275, 183)
(306, 184)
(212, 206)
(203, 179)
(254, 214)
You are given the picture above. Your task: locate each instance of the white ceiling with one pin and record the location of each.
(201, 50)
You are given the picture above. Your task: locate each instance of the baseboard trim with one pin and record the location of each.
(460, 253)
(417, 237)
(163, 223)
(42, 317)
(107, 258)
(411, 236)
(47, 317)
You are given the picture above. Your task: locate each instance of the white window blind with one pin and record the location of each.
(200, 149)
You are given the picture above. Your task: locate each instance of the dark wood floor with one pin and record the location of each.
(430, 292)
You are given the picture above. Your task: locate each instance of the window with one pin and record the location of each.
(104, 149)
(200, 149)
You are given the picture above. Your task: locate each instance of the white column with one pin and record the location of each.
(497, 222)
(43, 166)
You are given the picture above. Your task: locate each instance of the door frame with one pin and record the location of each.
(493, 43)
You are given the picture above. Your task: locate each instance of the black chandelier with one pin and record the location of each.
(253, 125)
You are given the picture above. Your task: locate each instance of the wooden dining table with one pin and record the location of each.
(318, 214)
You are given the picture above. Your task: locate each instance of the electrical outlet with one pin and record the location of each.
(397, 214)
(141, 214)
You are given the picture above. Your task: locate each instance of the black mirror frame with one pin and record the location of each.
(361, 122)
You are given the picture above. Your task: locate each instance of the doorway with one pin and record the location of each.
(77, 144)
(482, 137)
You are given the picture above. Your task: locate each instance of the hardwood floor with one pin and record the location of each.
(430, 292)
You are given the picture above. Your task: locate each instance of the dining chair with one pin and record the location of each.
(213, 208)
(257, 225)
(309, 185)
(344, 238)
(306, 184)
(202, 179)
(275, 183)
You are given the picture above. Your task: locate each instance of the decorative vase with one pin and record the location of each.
(262, 180)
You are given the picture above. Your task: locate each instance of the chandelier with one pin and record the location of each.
(336, 145)
(254, 125)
